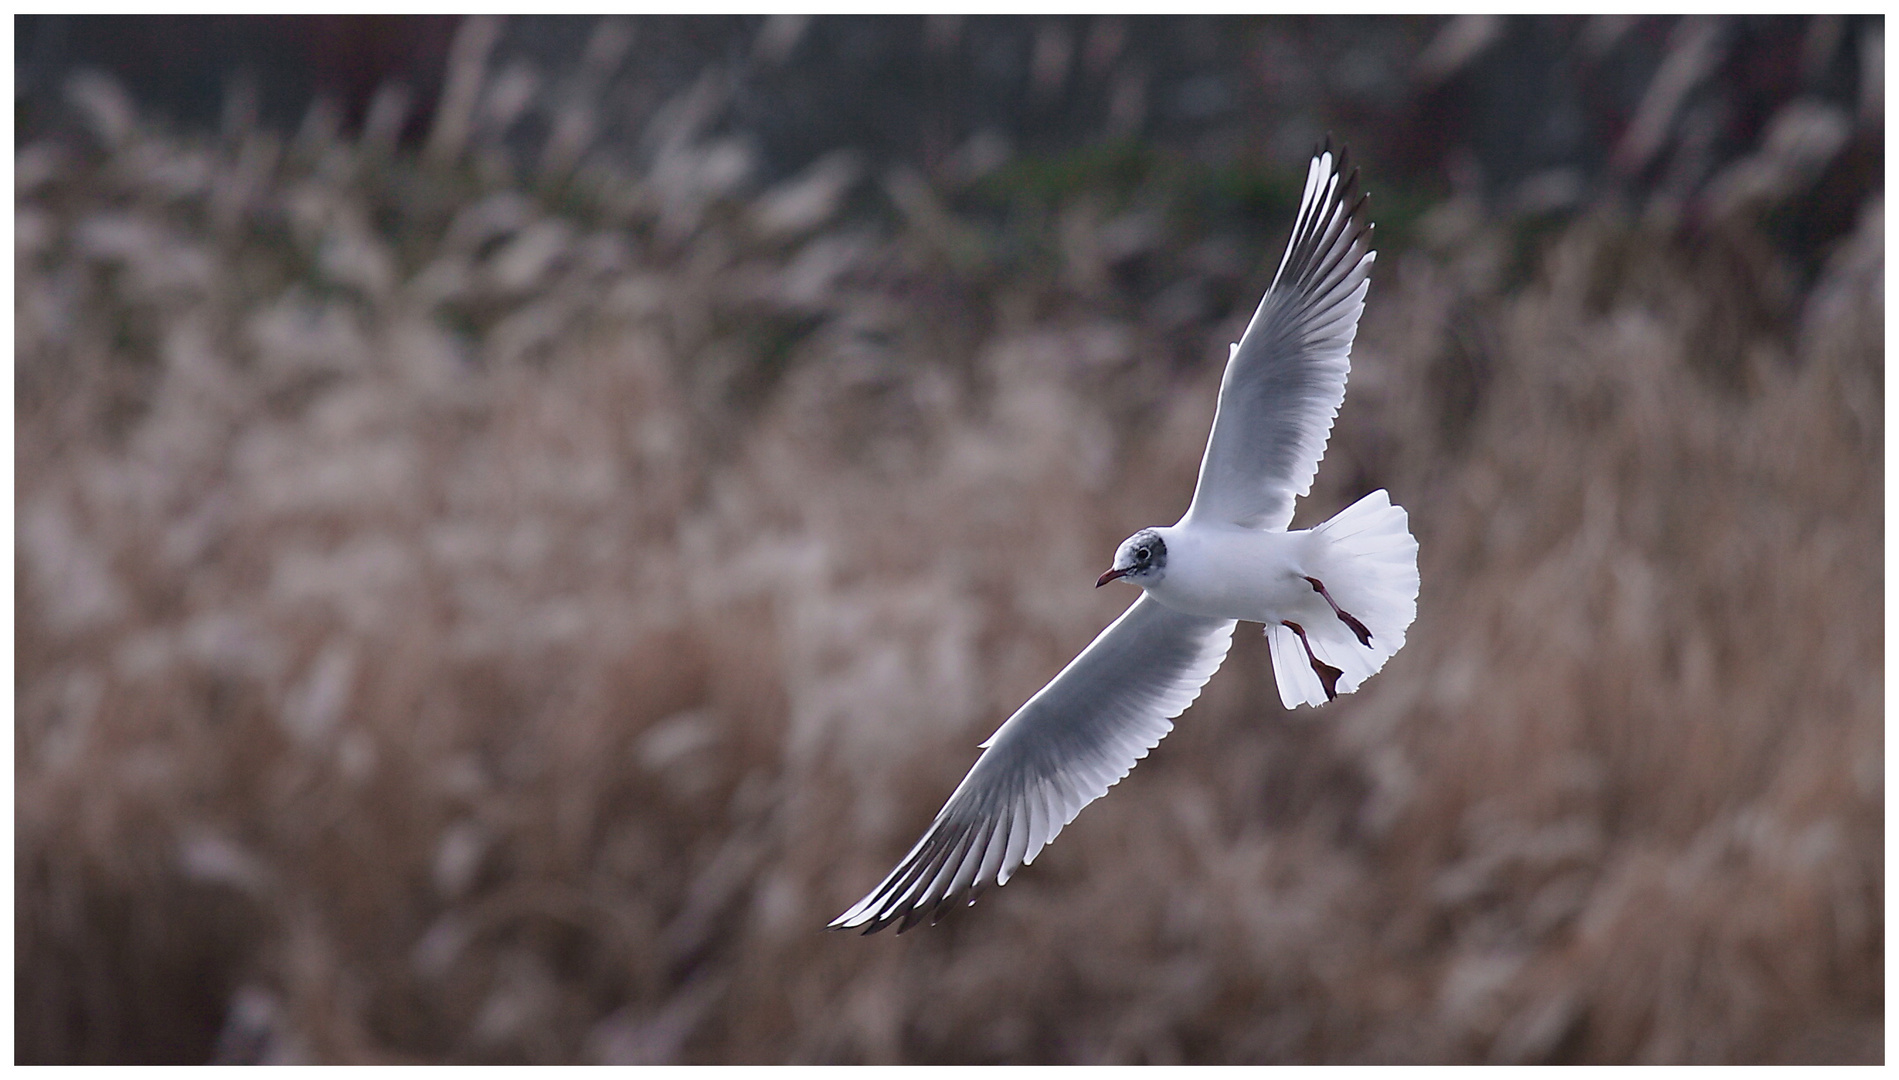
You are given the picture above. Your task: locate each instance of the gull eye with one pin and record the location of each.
(1142, 554)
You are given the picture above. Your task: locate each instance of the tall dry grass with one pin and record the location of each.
(468, 615)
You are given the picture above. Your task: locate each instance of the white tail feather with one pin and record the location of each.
(1371, 570)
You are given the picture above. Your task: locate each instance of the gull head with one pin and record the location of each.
(1141, 558)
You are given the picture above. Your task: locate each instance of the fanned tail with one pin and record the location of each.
(1370, 569)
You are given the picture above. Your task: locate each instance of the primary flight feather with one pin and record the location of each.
(1335, 599)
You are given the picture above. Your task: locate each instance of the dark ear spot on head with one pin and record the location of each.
(1152, 553)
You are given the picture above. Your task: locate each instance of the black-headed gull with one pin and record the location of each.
(1335, 599)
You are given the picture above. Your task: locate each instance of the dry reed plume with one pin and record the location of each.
(476, 618)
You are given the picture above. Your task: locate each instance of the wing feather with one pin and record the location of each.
(1285, 379)
(1063, 749)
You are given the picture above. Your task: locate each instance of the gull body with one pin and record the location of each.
(1226, 572)
(1335, 600)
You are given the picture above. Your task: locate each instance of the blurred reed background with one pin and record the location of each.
(518, 524)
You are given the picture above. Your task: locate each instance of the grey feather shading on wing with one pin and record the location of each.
(1062, 750)
(1285, 379)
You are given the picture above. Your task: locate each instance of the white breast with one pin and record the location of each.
(1234, 573)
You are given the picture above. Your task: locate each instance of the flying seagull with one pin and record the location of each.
(1335, 599)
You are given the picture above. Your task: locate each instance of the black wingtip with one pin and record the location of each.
(942, 908)
(1341, 153)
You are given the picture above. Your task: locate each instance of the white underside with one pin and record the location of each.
(1365, 556)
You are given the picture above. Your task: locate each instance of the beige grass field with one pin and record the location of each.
(466, 616)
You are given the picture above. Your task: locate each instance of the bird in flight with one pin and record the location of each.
(1335, 599)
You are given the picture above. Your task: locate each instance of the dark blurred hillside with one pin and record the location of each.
(518, 523)
(1579, 105)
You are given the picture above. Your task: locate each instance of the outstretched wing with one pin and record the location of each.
(1285, 379)
(1076, 738)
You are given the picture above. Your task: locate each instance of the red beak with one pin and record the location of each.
(1109, 576)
